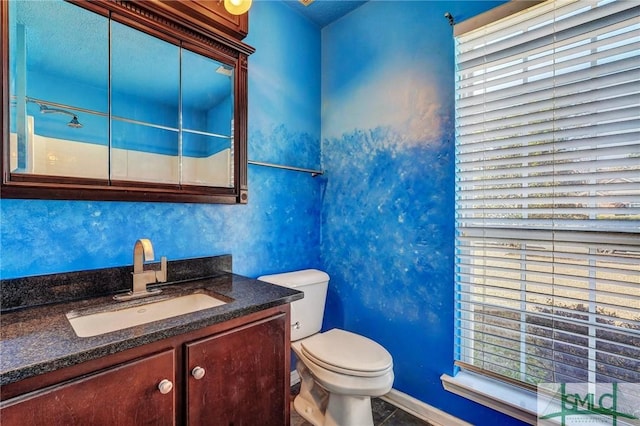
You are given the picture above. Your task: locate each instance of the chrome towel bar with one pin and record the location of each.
(314, 173)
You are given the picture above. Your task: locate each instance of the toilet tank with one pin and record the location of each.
(306, 313)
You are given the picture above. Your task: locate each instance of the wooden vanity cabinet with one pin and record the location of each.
(127, 394)
(231, 376)
(245, 381)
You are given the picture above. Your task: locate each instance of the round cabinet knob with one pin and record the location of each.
(198, 373)
(165, 386)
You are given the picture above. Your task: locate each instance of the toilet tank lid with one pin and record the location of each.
(296, 278)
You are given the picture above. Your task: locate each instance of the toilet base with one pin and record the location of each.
(321, 408)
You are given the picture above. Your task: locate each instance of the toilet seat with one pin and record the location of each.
(347, 353)
(343, 384)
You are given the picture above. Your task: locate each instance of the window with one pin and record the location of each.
(548, 194)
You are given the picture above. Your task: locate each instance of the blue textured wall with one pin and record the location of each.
(278, 230)
(388, 208)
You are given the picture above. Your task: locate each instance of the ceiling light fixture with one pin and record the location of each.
(237, 7)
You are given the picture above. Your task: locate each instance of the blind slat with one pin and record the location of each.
(476, 319)
(536, 101)
(543, 343)
(529, 100)
(554, 112)
(621, 33)
(623, 71)
(620, 119)
(536, 154)
(546, 72)
(524, 38)
(523, 178)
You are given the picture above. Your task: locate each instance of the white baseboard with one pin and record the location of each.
(422, 410)
(412, 406)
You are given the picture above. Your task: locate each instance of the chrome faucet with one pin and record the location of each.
(143, 252)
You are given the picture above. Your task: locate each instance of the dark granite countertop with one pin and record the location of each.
(40, 339)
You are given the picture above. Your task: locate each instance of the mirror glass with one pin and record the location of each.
(207, 132)
(93, 98)
(145, 99)
(59, 78)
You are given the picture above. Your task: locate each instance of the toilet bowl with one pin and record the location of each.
(339, 370)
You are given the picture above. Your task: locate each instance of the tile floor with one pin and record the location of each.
(384, 414)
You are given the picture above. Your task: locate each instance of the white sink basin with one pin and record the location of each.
(105, 322)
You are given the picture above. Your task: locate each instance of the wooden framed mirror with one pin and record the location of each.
(123, 100)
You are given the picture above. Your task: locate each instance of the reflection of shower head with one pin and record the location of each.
(74, 123)
(44, 109)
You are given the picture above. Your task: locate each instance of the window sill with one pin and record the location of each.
(510, 400)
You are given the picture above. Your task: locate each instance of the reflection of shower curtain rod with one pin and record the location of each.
(47, 107)
(314, 173)
(44, 109)
(64, 106)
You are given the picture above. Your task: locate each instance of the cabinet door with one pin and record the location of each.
(245, 376)
(127, 394)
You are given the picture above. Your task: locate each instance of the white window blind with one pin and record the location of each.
(548, 194)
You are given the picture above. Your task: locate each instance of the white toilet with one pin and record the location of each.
(339, 371)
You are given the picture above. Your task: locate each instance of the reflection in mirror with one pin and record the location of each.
(145, 94)
(58, 90)
(167, 116)
(207, 111)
